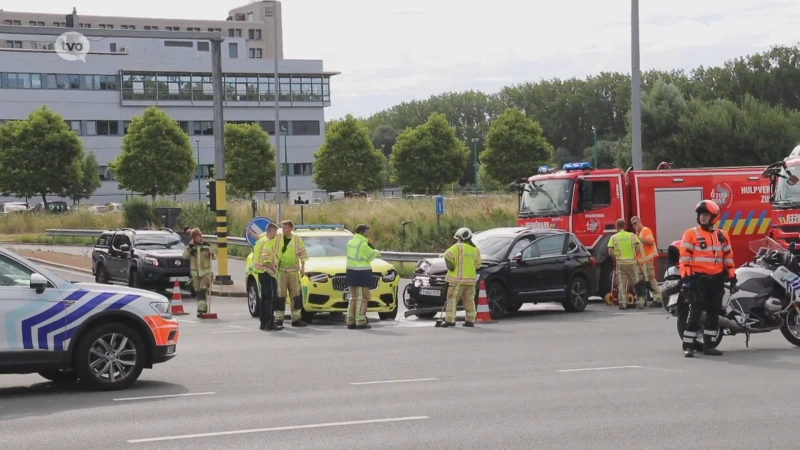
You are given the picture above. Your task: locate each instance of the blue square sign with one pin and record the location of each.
(439, 205)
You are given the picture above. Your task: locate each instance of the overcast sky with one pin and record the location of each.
(393, 51)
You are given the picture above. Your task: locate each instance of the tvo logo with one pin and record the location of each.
(72, 46)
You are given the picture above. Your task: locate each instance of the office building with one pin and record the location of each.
(123, 76)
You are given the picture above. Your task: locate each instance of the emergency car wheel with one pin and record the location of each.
(698, 341)
(391, 315)
(60, 376)
(252, 298)
(109, 357)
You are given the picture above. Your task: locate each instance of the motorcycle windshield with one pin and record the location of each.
(763, 246)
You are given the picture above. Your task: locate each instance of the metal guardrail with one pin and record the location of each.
(242, 242)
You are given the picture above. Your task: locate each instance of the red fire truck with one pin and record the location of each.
(785, 198)
(588, 202)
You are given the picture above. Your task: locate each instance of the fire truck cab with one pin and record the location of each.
(785, 199)
(588, 202)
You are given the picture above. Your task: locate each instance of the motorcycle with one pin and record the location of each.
(767, 298)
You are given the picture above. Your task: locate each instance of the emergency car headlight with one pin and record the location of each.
(163, 309)
(151, 261)
(390, 276)
(318, 277)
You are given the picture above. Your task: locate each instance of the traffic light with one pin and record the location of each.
(211, 194)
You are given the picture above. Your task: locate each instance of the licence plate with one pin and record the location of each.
(430, 292)
(673, 300)
(178, 279)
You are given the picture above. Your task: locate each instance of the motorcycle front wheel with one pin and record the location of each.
(791, 328)
(683, 315)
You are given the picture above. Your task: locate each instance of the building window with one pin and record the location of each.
(63, 81)
(13, 44)
(254, 34)
(172, 28)
(255, 53)
(202, 46)
(185, 44)
(128, 27)
(102, 127)
(36, 24)
(269, 126)
(85, 25)
(125, 125)
(243, 89)
(233, 50)
(235, 32)
(106, 26)
(203, 128)
(192, 28)
(305, 128)
(215, 30)
(58, 24)
(150, 28)
(74, 125)
(301, 169)
(101, 82)
(24, 81)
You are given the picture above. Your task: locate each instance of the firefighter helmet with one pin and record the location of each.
(709, 207)
(463, 234)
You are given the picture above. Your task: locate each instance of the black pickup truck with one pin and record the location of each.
(144, 259)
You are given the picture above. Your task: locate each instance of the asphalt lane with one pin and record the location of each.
(542, 379)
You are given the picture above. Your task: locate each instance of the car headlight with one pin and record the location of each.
(318, 277)
(423, 266)
(151, 261)
(417, 282)
(390, 276)
(670, 284)
(163, 309)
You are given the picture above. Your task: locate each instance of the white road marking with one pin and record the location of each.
(394, 381)
(237, 326)
(232, 331)
(587, 369)
(264, 430)
(125, 399)
(188, 321)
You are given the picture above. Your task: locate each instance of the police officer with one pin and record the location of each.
(264, 267)
(291, 260)
(360, 253)
(647, 260)
(706, 263)
(624, 246)
(463, 260)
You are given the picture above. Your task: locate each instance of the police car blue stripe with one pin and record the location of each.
(27, 324)
(60, 338)
(74, 315)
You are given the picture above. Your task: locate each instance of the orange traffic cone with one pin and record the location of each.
(484, 314)
(177, 301)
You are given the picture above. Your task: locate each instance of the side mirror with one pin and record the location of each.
(517, 257)
(38, 282)
(125, 248)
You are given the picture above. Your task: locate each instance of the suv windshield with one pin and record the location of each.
(322, 246)
(492, 247)
(546, 198)
(159, 241)
(786, 195)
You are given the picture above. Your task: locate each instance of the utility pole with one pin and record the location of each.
(594, 133)
(273, 12)
(636, 90)
(475, 163)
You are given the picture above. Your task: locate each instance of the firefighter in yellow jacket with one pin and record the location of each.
(625, 248)
(265, 269)
(200, 254)
(360, 254)
(647, 259)
(463, 260)
(290, 260)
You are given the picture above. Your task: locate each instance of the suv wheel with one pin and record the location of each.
(59, 376)
(577, 294)
(252, 298)
(109, 357)
(101, 276)
(136, 280)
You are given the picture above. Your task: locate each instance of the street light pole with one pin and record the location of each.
(197, 171)
(475, 163)
(273, 12)
(286, 157)
(636, 90)
(594, 133)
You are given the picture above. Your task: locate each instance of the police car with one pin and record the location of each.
(102, 335)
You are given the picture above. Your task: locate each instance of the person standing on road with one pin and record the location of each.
(264, 267)
(291, 263)
(624, 246)
(360, 253)
(647, 260)
(463, 259)
(200, 254)
(706, 263)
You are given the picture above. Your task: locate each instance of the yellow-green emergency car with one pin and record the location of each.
(324, 286)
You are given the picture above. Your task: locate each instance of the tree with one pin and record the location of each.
(157, 156)
(515, 147)
(39, 156)
(348, 161)
(428, 157)
(89, 181)
(249, 159)
(384, 138)
(605, 154)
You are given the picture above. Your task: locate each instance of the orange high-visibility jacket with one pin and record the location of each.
(649, 244)
(706, 252)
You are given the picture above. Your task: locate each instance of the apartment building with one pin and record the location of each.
(123, 76)
(255, 22)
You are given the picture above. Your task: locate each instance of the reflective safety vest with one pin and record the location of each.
(624, 245)
(706, 252)
(289, 257)
(649, 243)
(467, 260)
(200, 261)
(264, 255)
(360, 254)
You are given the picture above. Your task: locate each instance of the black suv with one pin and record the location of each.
(144, 259)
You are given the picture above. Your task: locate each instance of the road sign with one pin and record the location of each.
(255, 228)
(439, 205)
(301, 197)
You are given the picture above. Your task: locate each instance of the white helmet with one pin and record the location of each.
(773, 306)
(463, 234)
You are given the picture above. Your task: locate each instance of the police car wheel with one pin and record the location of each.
(59, 376)
(252, 299)
(109, 357)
